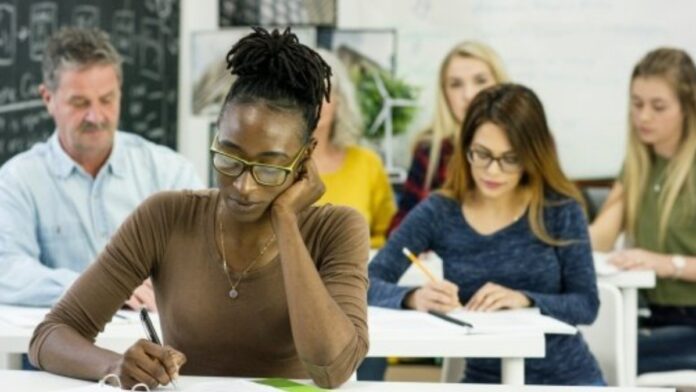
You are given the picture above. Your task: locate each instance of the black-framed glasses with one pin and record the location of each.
(482, 159)
(263, 173)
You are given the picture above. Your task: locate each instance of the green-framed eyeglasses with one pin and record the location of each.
(263, 173)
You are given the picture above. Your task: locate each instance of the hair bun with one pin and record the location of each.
(276, 66)
(263, 52)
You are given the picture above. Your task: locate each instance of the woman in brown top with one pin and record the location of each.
(250, 279)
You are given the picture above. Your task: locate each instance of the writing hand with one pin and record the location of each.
(441, 295)
(148, 363)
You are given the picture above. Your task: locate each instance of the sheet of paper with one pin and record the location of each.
(30, 317)
(96, 387)
(513, 321)
(394, 322)
(231, 385)
(212, 386)
(25, 317)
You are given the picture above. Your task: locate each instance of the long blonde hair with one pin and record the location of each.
(347, 127)
(676, 68)
(444, 123)
(518, 111)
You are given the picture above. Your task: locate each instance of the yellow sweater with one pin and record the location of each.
(362, 183)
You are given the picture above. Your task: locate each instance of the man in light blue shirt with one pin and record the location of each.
(61, 201)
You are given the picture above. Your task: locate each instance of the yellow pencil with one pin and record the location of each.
(418, 264)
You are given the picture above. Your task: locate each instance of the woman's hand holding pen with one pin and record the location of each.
(491, 297)
(149, 363)
(440, 295)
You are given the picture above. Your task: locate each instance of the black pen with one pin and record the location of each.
(451, 319)
(152, 333)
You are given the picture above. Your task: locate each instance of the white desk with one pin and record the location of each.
(14, 340)
(628, 282)
(445, 342)
(452, 342)
(28, 381)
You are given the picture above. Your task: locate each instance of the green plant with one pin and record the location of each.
(371, 101)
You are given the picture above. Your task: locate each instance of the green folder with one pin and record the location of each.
(287, 385)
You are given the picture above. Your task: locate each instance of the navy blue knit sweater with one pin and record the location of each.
(559, 280)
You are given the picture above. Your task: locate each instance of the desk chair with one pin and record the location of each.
(605, 336)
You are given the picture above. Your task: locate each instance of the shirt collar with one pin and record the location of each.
(63, 165)
(116, 162)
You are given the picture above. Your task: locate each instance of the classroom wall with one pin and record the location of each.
(196, 15)
(576, 54)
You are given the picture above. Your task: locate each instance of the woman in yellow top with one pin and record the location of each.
(353, 175)
(654, 202)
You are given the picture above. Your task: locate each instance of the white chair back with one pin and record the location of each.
(605, 336)
(452, 369)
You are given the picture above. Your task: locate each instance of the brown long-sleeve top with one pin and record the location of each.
(171, 238)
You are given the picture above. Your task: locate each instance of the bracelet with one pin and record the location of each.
(679, 262)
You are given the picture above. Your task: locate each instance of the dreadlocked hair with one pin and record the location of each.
(276, 68)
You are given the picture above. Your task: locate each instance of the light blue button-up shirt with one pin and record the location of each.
(55, 217)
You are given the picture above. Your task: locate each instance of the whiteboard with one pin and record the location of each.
(577, 55)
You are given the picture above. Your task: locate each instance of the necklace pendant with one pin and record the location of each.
(233, 293)
(656, 188)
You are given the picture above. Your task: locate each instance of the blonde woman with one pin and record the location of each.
(511, 232)
(353, 175)
(654, 201)
(468, 68)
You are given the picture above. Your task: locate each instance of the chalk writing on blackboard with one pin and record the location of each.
(145, 33)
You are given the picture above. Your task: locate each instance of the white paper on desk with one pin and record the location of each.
(602, 266)
(394, 322)
(30, 317)
(213, 386)
(231, 385)
(21, 316)
(513, 321)
(93, 388)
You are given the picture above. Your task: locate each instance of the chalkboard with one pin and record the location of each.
(146, 34)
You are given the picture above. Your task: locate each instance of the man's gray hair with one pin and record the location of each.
(77, 48)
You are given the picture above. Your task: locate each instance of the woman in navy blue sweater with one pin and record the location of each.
(511, 232)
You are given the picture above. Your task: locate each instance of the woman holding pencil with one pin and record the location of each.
(511, 232)
(251, 279)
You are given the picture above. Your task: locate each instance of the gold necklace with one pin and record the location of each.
(233, 293)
